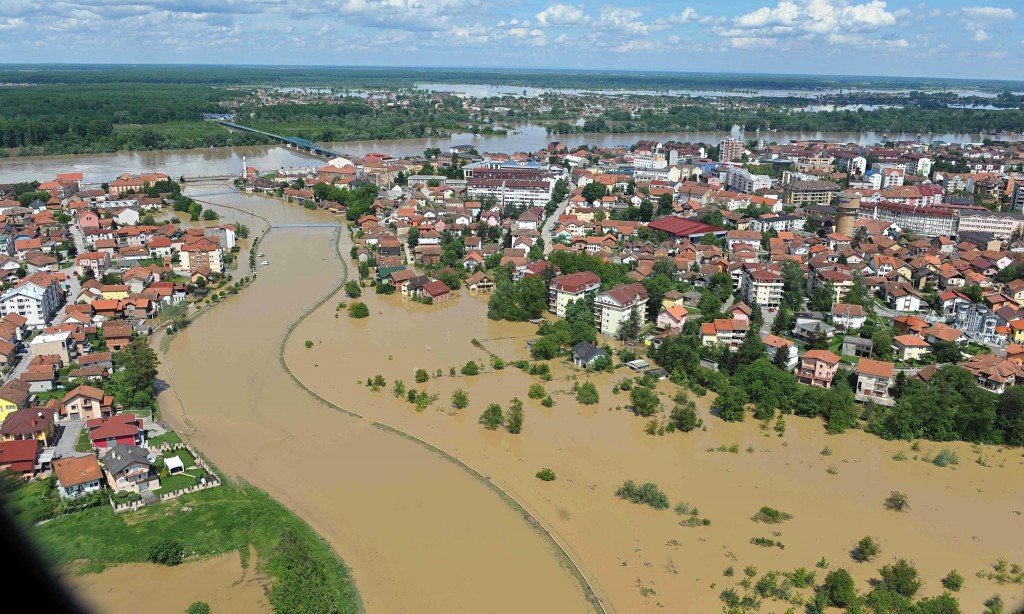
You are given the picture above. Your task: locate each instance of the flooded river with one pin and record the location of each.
(420, 533)
(98, 168)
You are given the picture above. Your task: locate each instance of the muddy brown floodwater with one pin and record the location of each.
(963, 517)
(419, 532)
(220, 582)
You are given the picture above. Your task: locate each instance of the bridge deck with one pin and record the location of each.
(305, 226)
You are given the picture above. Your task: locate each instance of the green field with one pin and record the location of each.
(308, 576)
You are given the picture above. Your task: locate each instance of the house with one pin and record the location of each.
(848, 317)
(61, 344)
(37, 303)
(86, 403)
(818, 368)
(123, 428)
(571, 287)
(901, 296)
(480, 282)
(994, 373)
(585, 354)
(19, 456)
(14, 395)
(910, 347)
(118, 334)
(437, 291)
(31, 423)
(97, 262)
(729, 333)
(615, 306)
(857, 346)
(77, 476)
(202, 251)
(673, 318)
(128, 468)
(874, 379)
(774, 344)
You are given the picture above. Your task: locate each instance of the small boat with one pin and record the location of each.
(264, 263)
(262, 254)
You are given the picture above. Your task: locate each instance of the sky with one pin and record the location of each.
(940, 38)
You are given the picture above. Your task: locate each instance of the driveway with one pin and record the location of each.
(69, 432)
(549, 223)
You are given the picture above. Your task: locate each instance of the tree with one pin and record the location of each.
(198, 607)
(901, 577)
(470, 368)
(594, 191)
(195, 210)
(838, 407)
(839, 588)
(684, 418)
(946, 351)
(514, 416)
(1010, 415)
(587, 394)
(421, 376)
(665, 202)
(973, 292)
(858, 293)
(352, 289)
(645, 401)
(792, 285)
(209, 215)
(242, 231)
(460, 398)
(730, 403)
(712, 217)
(866, 549)
(492, 417)
(166, 552)
(630, 328)
(358, 310)
(821, 298)
(135, 371)
(579, 317)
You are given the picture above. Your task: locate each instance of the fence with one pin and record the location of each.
(212, 480)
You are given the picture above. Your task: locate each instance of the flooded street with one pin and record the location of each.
(965, 517)
(220, 582)
(420, 533)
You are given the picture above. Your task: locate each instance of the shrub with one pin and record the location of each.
(826, 451)
(839, 589)
(953, 581)
(645, 401)
(514, 417)
(398, 388)
(422, 376)
(546, 475)
(460, 399)
(587, 394)
(352, 289)
(358, 310)
(492, 417)
(897, 502)
(766, 542)
(309, 344)
(536, 391)
(166, 552)
(866, 549)
(901, 577)
(198, 607)
(497, 364)
(470, 368)
(770, 515)
(684, 418)
(946, 457)
(647, 494)
(801, 578)
(548, 401)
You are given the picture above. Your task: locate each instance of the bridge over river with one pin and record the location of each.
(291, 141)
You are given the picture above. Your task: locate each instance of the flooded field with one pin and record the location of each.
(221, 582)
(419, 532)
(963, 517)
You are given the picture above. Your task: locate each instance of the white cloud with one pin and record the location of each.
(751, 42)
(989, 12)
(688, 15)
(563, 15)
(625, 20)
(981, 36)
(11, 23)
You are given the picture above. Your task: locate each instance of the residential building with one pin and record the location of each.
(14, 395)
(19, 456)
(128, 468)
(773, 345)
(112, 430)
(98, 262)
(729, 333)
(801, 193)
(848, 317)
(818, 368)
(673, 318)
(201, 252)
(741, 180)
(30, 423)
(614, 307)
(926, 221)
(874, 379)
(994, 373)
(731, 149)
(86, 403)
(572, 287)
(61, 344)
(585, 354)
(910, 347)
(77, 475)
(37, 303)
(761, 284)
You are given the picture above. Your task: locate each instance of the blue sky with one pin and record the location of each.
(865, 37)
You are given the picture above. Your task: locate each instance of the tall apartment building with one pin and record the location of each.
(761, 284)
(810, 192)
(742, 180)
(520, 193)
(613, 307)
(926, 221)
(731, 149)
(571, 287)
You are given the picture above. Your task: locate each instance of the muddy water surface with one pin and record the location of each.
(964, 517)
(220, 582)
(420, 533)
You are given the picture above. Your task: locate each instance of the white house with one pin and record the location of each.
(37, 304)
(848, 317)
(613, 307)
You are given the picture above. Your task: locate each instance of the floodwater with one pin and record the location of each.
(965, 517)
(221, 582)
(419, 532)
(98, 168)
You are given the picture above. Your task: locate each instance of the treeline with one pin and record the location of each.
(702, 117)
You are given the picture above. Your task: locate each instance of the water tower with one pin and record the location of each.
(847, 206)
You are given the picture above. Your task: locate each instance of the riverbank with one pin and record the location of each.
(646, 560)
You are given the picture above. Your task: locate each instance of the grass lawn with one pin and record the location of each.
(83, 444)
(179, 481)
(45, 396)
(307, 573)
(168, 437)
(184, 455)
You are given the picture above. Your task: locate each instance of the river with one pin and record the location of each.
(420, 533)
(98, 168)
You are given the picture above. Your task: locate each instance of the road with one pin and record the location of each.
(549, 223)
(68, 438)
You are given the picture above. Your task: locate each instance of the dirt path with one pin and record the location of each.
(420, 534)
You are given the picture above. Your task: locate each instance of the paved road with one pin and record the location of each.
(549, 223)
(68, 438)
